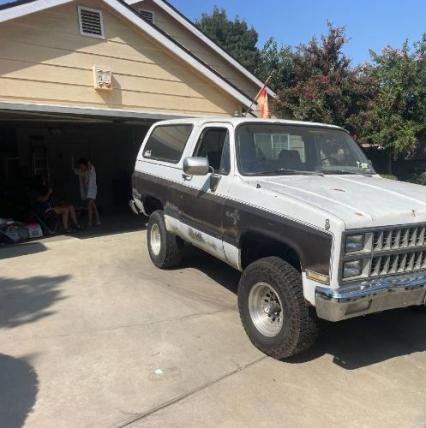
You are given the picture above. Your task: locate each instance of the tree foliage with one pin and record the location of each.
(275, 61)
(316, 81)
(382, 102)
(234, 36)
(397, 114)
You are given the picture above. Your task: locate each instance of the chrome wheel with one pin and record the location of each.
(155, 239)
(265, 309)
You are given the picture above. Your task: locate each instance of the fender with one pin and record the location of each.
(313, 246)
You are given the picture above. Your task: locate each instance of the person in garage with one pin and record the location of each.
(88, 188)
(43, 202)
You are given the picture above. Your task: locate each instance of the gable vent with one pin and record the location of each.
(147, 15)
(91, 23)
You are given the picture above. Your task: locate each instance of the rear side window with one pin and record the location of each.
(167, 143)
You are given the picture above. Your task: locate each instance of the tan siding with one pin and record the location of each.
(85, 95)
(80, 76)
(27, 53)
(199, 48)
(45, 59)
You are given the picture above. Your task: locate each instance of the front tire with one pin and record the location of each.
(165, 249)
(273, 310)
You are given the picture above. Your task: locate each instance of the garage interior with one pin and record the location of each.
(46, 144)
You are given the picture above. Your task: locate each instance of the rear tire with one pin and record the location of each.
(272, 308)
(165, 249)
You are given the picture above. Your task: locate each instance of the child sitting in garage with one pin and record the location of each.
(42, 202)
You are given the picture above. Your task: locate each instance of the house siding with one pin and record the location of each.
(198, 48)
(44, 59)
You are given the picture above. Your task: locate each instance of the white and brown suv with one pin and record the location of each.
(297, 208)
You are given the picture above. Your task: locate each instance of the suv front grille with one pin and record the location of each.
(404, 237)
(398, 250)
(404, 262)
(390, 250)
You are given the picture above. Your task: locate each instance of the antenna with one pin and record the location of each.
(257, 96)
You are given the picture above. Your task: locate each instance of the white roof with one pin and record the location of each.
(13, 11)
(235, 121)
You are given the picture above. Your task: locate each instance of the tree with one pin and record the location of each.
(397, 116)
(235, 36)
(319, 83)
(381, 102)
(276, 62)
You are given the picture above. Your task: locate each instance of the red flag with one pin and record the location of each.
(262, 102)
(261, 99)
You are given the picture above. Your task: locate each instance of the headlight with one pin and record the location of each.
(352, 268)
(354, 243)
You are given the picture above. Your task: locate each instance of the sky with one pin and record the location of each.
(370, 24)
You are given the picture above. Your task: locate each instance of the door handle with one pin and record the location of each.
(214, 182)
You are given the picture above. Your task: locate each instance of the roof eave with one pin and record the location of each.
(175, 14)
(12, 11)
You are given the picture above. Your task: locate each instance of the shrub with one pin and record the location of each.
(388, 176)
(418, 178)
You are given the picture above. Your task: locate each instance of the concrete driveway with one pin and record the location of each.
(92, 335)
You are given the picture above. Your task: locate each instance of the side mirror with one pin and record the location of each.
(196, 166)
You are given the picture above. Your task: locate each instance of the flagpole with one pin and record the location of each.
(257, 96)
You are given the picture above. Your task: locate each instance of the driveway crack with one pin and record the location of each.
(141, 416)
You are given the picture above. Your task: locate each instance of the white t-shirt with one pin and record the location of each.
(88, 186)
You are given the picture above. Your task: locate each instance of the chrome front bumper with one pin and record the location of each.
(371, 296)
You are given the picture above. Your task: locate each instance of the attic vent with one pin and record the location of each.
(91, 22)
(147, 15)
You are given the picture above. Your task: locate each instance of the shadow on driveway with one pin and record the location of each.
(26, 248)
(361, 342)
(112, 224)
(27, 300)
(354, 343)
(215, 269)
(18, 391)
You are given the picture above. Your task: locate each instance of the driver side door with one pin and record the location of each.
(202, 203)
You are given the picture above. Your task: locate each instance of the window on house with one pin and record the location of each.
(167, 143)
(91, 22)
(147, 15)
(270, 146)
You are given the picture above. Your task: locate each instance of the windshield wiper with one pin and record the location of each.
(285, 171)
(345, 171)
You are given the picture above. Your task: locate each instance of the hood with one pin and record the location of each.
(358, 201)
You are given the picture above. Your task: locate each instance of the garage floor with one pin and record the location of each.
(92, 335)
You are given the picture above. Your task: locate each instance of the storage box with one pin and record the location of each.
(34, 230)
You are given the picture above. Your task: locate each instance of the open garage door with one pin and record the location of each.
(41, 144)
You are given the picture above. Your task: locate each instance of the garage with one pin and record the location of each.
(46, 145)
(88, 80)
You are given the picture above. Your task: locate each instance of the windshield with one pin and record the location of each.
(274, 149)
